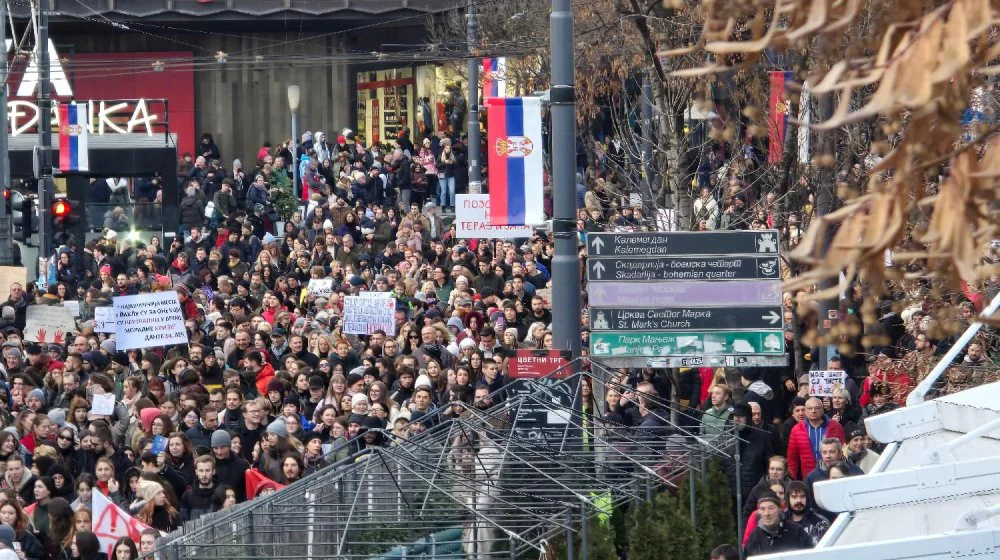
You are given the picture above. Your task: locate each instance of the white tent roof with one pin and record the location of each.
(935, 492)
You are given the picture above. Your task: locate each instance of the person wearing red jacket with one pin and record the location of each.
(257, 363)
(805, 438)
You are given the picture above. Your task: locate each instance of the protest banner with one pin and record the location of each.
(148, 320)
(73, 306)
(368, 313)
(472, 220)
(104, 319)
(321, 287)
(822, 383)
(48, 323)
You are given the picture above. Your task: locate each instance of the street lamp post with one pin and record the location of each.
(293, 104)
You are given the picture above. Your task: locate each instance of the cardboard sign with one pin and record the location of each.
(370, 312)
(12, 274)
(532, 364)
(823, 383)
(73, 306)
(103, 405)
(472, 220)
(321, 287)
(104, 319)
(48, 323)
(149, 320)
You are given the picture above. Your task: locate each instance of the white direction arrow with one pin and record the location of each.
(597, 243)
(599, 269)
(773, 317)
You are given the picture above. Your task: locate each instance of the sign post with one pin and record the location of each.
(682, 299)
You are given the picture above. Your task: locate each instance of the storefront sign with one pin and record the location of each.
(532, 364)
(131, 101)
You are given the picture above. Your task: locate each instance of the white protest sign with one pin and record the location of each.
(368, 313)
(104, 319)
(48, 323)
(103, 405)
(823, 383)
(73, 306)
(472, 220)
(321, 287)
(148, 320)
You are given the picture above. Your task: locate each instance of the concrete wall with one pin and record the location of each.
(243, 104)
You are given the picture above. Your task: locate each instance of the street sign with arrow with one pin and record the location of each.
(680, 318)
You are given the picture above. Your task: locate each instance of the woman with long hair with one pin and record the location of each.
(180, 455)
(224, 497)
(9, 445)
(78, 408)
(24, 423)
(334, 393)
(86, 546)
(82, 522)
(125, 549)
(12, 514)
(158, 513)
(378, 393)
(60, 528)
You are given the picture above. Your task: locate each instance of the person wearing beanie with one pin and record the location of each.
(359, 404)
(157, 511)
(230, 469)
(35, 400)
(774, 533)
(278, 445)
(759, 392)
(7, 538)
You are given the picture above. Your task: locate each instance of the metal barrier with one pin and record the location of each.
(476, 486)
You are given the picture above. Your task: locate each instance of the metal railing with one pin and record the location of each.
(476, 486)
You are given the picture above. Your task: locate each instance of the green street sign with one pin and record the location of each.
(683, 343)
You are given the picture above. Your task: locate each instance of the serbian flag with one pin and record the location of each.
(73, 130)
(777, 119)
(111, 523)
(494, 77)
(514, 143)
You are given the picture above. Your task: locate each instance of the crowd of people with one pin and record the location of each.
(269, 381)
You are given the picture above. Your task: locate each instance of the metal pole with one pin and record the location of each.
(824, 205)
(570, 552)
(694, 490)
(475, 167)
(44, 135)
(297, 183)
(6, 229)
(566, 263)
(584, 533)
(646, 153)
(739, 496)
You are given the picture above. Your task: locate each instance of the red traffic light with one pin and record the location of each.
(60, 209)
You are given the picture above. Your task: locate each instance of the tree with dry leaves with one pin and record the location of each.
(927, 206)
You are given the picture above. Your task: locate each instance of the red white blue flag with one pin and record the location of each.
(494, 77)
(514, 143)
(73, 130)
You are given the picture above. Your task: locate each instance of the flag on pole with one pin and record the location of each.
(73, 131)
(777, 119)
(494, 77)
(110, 523)
(514, 143)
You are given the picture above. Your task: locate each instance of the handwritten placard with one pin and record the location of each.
(104, 319)
(823, 383)
(103, 405)
(149, 320)
(321, 287)
(48, 323)
(369, 312)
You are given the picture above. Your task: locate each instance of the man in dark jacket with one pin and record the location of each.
(773, 533)
(198, 499)
(754, 448)
(830, 451)
(799, 511)
(229, 469)
(201, 435)
(192, 209)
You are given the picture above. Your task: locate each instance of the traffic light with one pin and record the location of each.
(22, 215)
